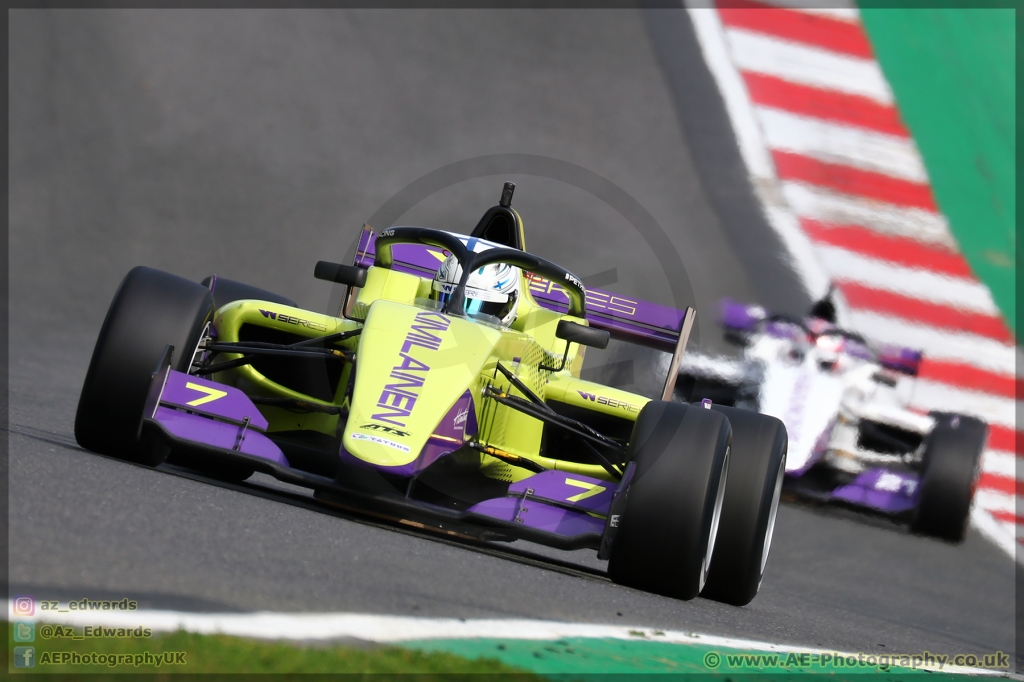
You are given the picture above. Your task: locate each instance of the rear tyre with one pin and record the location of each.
(757, 465)
(227, 290)
(949, 474)
(666, 531)
(150, 310)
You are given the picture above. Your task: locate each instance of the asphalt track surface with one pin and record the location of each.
(253, 143)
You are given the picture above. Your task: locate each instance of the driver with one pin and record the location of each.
(491, 290)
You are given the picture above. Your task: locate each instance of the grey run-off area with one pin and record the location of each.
(253, 143)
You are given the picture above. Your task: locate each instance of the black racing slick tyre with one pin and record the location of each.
(665, 534)
(949, 474)
(228, 290)
(757, 466)
(150, 310)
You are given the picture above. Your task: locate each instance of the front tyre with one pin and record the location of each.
(150, 310)
(228, 290)
(756, 469)
(949, 474)
(666, 531)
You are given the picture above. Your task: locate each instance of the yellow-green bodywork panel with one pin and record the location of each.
(229, 320)
(595, 397)
(413, 364)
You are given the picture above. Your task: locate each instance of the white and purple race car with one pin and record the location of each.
(844, 401)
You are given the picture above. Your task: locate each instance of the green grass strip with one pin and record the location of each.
(441, 659)
(580, 658)
(227, 654)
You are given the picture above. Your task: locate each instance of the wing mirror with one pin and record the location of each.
(349, 275)
(571, 332)
(581, 334)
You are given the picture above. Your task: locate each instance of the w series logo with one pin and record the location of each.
(610, 402)
(288, 319)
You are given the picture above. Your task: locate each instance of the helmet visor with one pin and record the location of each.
(475, 306)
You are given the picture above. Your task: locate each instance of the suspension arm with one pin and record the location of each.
(578, 429)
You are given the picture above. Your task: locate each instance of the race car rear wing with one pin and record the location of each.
(741, 317)
(626, 319)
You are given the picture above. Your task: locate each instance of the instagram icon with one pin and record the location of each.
(24, 606)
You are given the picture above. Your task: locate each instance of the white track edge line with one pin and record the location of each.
(394, 629)
(1002, 463)
(841, 143)
(986, 524)
(715, 48)
(996, 501)
(807, 64)
(711, 37)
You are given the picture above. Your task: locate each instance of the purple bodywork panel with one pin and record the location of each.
(785, 330)
(881, 489)
(537, 515)
(587, 496)
(451, 432)
(217, 415)
(740, 316)
(744, 317)
(218, 400)
(900, 359)
(858, 350)
(568, 489)
(638, 321)
(218, 434)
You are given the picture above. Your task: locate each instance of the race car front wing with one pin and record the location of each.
(218, 424)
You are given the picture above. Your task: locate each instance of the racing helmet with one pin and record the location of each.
(491, 290)
(829, 346)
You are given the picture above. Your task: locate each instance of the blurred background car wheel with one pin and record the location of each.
(949, 474)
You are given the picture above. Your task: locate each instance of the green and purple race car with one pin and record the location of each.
(446, 394)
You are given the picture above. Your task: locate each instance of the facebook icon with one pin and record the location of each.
(24, 656)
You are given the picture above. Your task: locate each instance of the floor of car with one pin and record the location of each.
(456, 483)
(310, 451)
